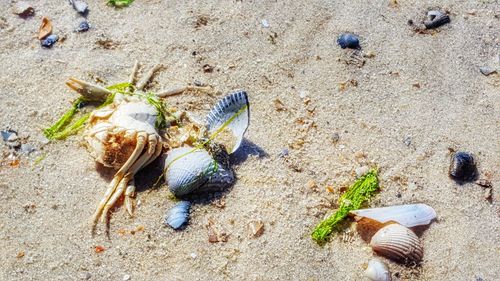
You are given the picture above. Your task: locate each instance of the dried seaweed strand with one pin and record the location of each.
(363, 189)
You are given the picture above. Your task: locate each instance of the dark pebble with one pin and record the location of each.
(83, 26)
(463, 167)
(49, 41)
(348, 40)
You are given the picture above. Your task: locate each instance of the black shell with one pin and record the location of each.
(437, 19)
(463, 167)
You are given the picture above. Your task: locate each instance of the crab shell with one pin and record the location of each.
(112, 131)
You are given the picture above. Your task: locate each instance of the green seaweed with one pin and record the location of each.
(363, 189)
(120, 3)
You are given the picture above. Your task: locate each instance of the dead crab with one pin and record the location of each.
(124, 134)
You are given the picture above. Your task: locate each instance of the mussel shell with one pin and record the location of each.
(398, 243)
(407, 215)
(437, 19)
(377, 270)
(191, 170)
(463, 167)
(178, 215)
(233, 113)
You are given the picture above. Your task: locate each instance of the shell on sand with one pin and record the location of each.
(407, 215)
(398, 243)
(377, 270)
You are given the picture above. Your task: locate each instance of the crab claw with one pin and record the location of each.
(87, 90)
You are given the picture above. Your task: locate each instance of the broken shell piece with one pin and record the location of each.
(178, 215)
(80, 6)
(407, 215)
(486, 71)
(256, 228)
(233, 113)
(45, 28)
(23, 9)
(437, 18)
(377, 270)
(190, 170)
(398, 243)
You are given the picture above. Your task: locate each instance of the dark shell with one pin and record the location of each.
(463, 167)
(348, 40)
(178, 215)
(83, 26)
(437, 19)
(49, 41)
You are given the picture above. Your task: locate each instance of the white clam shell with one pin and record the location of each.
(407, 215)
(233, 113)
(377, 270)
(190, 169)
(398, 243)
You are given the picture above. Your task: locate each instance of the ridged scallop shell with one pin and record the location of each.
(233, 113)
(190, 170)
(407, 215)
(377, 270)
(398, 243)
(178, 215)
(437, 19)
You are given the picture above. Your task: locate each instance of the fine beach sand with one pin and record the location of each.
(426, 88)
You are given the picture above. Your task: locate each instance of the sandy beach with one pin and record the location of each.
(317, 115)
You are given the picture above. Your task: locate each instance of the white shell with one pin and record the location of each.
(188, 169)
(178, 215)
(406, 215)
(232, 112)
(398, 243)
(377, 270)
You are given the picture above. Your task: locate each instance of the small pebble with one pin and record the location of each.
(23, 9)
(83, 26)
(487, 70)
(285, 152)
(49, 41)
(407, 140)
(361, 171)
(335, 137)
(126, 277)
(348, 40)
(265, 23)
(193, 255)
(27, 148)
(462, 167)
(86, 276)
(80, 6)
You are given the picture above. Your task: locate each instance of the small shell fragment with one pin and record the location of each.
(80, 6)
(463, 167)
(377, 270)
(436, 19)
(45, 28)
(178, 215)
(83, 26)
(398, 243)
(233, 113)
(486, 71)
(256, 228)
(23, 9)
(407, 215)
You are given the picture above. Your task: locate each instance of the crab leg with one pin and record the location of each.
(180, 90)
(141, 139)
(89, 91)
(144, 81)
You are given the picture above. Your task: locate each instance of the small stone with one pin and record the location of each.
(208, 68)
(80, 6)
(303, 94)
(361, 171)
(49, 41)
(86, 276)
(23, 9)
(348, 40)
(83, 26)
(486, 71)
(463, 167)
(126, 277)
(265, 23)
(407, 140)
(335, 137)
(193, 255)
(284, 153)
(27, 148)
